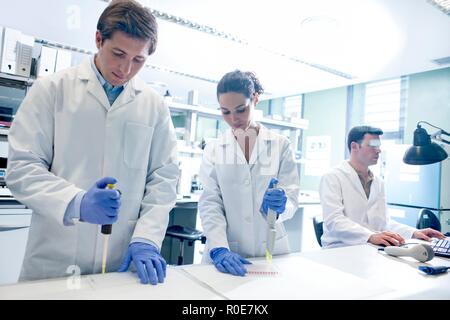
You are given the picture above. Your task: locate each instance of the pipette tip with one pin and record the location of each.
(268, 256)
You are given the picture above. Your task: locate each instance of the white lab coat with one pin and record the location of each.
(349, 217)
(234, 189)
(62, 140)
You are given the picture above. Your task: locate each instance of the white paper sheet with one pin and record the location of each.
(110, 286)
(299, 278)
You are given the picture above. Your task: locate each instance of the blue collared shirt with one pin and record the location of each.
(111, 92)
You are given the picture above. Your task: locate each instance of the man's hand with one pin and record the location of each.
(100, 205)
(427, 234)
(150, 265)
(386, 238)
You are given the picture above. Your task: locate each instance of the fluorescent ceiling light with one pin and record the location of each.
(443, 5)
(157, 84)
(319, 22)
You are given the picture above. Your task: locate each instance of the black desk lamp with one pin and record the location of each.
(424, 151)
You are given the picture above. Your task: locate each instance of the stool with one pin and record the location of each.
(184, 234)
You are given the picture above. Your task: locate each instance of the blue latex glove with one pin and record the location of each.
(227, 261)
(274, 198)
(150, 265)
(434, 270)
(100, 205)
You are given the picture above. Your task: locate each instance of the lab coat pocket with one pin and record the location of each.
(137, 142)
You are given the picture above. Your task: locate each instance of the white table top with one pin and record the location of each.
(124, 286)
(356, 272)
(398, 273)
(298, 279)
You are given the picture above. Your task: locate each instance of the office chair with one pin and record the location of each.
(427, 219)
(318, 228)
(184, 234)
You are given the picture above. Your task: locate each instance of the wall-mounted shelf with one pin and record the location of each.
(5, 77)
(189, 150)
(199, 109)
(299, 124)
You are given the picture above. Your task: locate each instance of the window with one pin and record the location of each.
(179, 123)
(293, 106)
(385, 103)
(287, 107)
(209, 128)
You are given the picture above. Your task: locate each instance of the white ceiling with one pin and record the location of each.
(367, 39)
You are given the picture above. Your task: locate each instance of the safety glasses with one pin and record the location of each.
(372, 143)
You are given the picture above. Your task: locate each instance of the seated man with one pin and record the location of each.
(353, 199)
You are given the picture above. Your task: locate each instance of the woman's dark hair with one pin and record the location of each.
(130, 17)
(240, 82)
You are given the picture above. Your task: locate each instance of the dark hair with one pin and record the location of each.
(356, 134)
(240, 82)
(130, 17)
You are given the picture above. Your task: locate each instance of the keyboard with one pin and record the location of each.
(441, 247)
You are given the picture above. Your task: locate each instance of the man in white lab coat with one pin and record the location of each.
(353, 199)
(83, 128)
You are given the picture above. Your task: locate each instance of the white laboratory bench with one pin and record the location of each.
(15, 221)
(399, 274)
(123, 286)
(348, 273)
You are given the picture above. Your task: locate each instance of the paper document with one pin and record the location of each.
(299, 278)
(114, 285)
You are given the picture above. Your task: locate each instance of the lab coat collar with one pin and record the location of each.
(264, 134)
(226, 138)
(133, 87)
(348, 170)
(265, 138)
(228, 141)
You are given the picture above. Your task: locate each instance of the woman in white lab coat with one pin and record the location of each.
(236, 175)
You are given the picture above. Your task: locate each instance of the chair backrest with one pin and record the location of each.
(184, 233)
(318, 228)
(427, 219)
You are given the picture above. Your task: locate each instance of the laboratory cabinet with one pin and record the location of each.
(14, 227)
